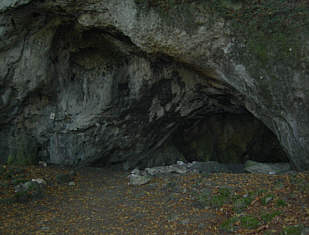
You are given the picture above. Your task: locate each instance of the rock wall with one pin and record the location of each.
(114, 80)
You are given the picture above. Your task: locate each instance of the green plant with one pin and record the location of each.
(225, 192)
(229, 224)
(268, 217)
(223, 196)
(249, 222)
(215, 201)
(260, 192)
(292, 230)
(240, 204)
(281, 203)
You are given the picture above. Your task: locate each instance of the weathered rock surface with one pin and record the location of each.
(138, 179)
(195, 167)
(266, 168)
(115, 82)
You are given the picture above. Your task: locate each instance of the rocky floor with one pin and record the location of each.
(102, 202)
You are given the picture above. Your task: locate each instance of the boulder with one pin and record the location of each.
(138, 179)
(267, 168)
(29, 190)
(176, 168)
(39, 181)
(33, 185)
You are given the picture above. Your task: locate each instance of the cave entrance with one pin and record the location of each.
(228, 138)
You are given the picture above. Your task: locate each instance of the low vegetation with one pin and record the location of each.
(216, 203)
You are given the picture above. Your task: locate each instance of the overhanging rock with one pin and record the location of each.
(114, 79)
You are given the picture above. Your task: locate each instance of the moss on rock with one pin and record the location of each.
(23, 151)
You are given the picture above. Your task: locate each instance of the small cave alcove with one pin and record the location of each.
(228, 138)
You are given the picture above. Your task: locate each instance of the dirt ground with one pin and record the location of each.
(102, 202)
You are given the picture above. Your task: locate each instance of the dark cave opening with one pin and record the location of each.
(228, 138)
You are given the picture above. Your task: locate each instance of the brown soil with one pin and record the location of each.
(102, 202)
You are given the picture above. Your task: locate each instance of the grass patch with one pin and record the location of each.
(242, 203)
(268, 217)
(249, 222)
(216, 201)
(292, 230)
(246, 222)
(281, 203)
(229, 224)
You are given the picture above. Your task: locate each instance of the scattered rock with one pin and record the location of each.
(155, 170)
(42, 163)
(24, 187)
(266, 168)
(39, 181)
(138, 179)
(29, 190)
(268, 199)
(136, 171)
(179, 169)
(183, 168)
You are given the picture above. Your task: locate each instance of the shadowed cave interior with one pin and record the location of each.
(225, 138)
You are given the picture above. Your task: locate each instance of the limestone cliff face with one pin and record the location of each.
(117, 81)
